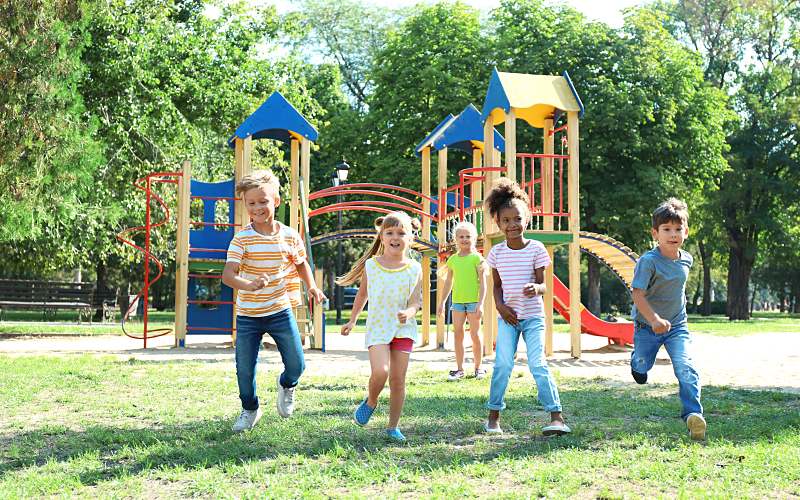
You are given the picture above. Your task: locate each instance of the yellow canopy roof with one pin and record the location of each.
(533, 98)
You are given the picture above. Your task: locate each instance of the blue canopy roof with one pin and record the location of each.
(276, 119)
(430, 138)
(466, 133)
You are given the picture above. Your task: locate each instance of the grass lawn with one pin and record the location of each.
(96, 426)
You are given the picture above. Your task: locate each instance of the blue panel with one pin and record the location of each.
(211, 237)
(274, 119)
(452, 202)
(495, 97)
(467, 127)
(574, 93)
(209, 316)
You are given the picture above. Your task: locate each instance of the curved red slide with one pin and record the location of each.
(618, 332)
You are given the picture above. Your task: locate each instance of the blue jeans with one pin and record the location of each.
(645, 346)
(282, 327)
(532, 331)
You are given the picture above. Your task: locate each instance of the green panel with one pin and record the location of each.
(204, 266)
(549, 238)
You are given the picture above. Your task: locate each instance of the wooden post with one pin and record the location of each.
(511, 145)
(305, 162)
(242, 166)
(442, 235)
(319, 314)
(488, 161)
(574, 227)
(426, 235)
(182, 254)
(547, 206)
(294, 182)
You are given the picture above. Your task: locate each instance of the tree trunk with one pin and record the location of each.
(740, 266)
(696, 298)
(706, 257)
(593, 295)
(100, 287)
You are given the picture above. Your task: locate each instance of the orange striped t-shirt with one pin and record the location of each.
(274, 256)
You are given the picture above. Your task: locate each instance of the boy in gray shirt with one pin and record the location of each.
(659, 310)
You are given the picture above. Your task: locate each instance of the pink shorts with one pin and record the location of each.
(401, 344)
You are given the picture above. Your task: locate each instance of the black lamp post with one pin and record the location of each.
(338, 178)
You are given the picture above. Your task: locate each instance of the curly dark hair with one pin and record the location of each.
(503, 195)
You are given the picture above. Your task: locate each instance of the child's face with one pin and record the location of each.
(260, 203)
(395, 239)
(464, 239)
(670, 236)
(512, 221)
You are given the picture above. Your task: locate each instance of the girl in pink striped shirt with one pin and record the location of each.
(518, 271)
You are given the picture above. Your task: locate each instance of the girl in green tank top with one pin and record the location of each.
(466, 276)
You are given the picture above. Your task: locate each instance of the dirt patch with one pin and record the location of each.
(759, 361)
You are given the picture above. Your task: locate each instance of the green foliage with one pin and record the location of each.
(48, 144)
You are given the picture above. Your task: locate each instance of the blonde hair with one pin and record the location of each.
(257, 179)
(469, 227)
(392, 219)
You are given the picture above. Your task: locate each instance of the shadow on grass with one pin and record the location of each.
(441, 429)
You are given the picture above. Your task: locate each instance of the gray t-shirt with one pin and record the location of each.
(664, 282)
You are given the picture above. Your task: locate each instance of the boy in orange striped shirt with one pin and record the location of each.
(266, 261)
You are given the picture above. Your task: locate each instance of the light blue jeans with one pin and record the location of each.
(532, 331)
(677, 342)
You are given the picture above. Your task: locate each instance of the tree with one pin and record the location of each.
(48, 148)
(652, 127)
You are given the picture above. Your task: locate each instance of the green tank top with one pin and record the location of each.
(465, 277)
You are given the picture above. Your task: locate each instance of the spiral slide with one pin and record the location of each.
(621, 260)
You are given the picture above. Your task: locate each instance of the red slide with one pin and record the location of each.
(619, 332)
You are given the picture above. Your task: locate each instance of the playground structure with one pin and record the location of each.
(551, 181)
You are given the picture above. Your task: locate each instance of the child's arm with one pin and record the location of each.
(414, 303)
(538, 287)
(358, 305)
(659, 324)
(230, 276)
(304, 270)
(508, 314)
(481, 287)
(446, 287)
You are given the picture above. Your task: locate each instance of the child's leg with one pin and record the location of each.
(475, 333)
(248, 340)
(507, 339)
(397, 385)
(379, 365)
(645, 347)
(678, 344)
(533, 333)
(282, 326)
(459, 317)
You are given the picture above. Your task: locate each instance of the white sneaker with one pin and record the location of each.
(247, 420)
(285, 401)
(697, 426)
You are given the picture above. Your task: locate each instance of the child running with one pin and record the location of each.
(518, 271)
(391, 281)
(659, 310)
(266, 261)
(466, 276)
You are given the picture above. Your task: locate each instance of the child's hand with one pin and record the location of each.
(405, 314)
(530, 290)
(259, 283)
(508, 314)
(660, 325)
(347, 328)
(317, 294)
(440, 311)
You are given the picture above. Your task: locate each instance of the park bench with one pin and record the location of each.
(47, 296)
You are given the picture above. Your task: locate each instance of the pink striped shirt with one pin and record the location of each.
(516, 269)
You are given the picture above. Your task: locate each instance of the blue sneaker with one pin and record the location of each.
(363, 413)
(395, 435)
